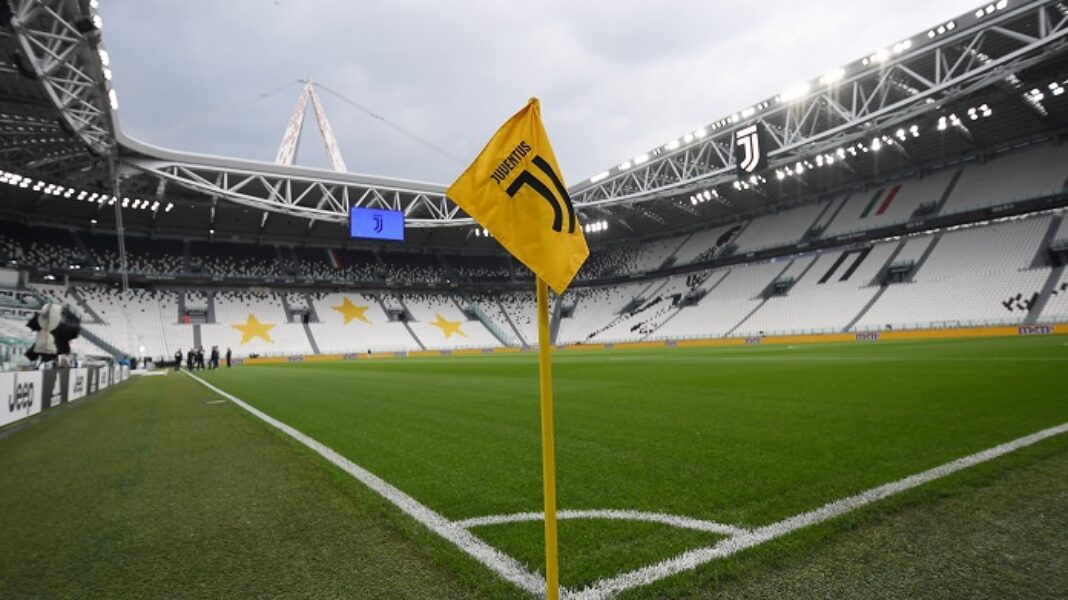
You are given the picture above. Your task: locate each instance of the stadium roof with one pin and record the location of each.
(966, 87)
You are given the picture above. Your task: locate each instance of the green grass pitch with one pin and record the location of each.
(743, 436)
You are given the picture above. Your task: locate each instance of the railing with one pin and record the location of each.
(497, 332)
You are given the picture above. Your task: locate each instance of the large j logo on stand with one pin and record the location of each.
(749, 141)
(527, 178)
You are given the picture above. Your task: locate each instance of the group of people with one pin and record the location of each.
(194, 359)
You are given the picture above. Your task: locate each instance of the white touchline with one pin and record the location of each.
(498, 562)
(695, 558)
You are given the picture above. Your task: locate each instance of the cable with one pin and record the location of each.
(205, 117)
(425, 142)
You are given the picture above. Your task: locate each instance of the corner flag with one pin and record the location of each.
(514, 189)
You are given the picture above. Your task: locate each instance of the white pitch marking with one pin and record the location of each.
(216, 402)
(694, 558)
(498, 562)
(611, 514)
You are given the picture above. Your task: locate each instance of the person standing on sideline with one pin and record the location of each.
(214, 357)
(190, 359)
(200, 358)
(178, 359)
(228, 355)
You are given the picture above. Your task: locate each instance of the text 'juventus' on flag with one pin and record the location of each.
(514, 189)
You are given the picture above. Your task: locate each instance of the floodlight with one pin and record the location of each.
(794, 92)
(832, 76)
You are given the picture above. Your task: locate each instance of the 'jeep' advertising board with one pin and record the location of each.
(77, 384)
(20, 394)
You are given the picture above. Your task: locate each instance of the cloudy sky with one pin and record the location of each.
(616, 78)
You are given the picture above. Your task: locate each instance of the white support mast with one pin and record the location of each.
(287, 152)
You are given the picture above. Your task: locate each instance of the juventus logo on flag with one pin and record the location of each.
(749, 149)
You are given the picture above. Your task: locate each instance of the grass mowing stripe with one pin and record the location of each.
(146, 492)
(505, 566)
(695, 558)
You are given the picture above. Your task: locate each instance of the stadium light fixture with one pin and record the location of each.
(624, 166)
(641, 158)
(794, 92)
(92, 221)
(672, 145)
(599, 177)
(833, 76)
(114, 99)
(170, 205)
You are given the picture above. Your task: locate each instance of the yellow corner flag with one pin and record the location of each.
(514, 189)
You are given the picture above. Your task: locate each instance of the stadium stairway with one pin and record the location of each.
(211, 307)
(311, 338)
(824, 224)
(878, 281)
(926, 254)
(313, 314)
(186, 262)
(511, 323)
(289, 310)
(946, 194)
(411, 332)
(468, 307)
(1041, 258)
(181, 305)
(100, 343)
(84, 306)
(763, 301)
(554, 321)
(1044, 296)
(407, 315)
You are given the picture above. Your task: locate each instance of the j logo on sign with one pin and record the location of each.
(22, 399)
(749, 148)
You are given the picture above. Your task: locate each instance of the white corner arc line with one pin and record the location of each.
(500, 563)
(694, 558)
(610, 514)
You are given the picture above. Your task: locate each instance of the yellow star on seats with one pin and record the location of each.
(253, 328)
(351, 311)
(448, 327)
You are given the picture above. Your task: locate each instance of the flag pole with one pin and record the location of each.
(548, 453)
